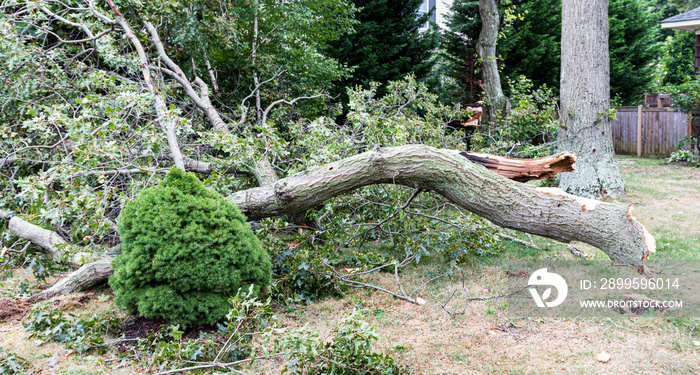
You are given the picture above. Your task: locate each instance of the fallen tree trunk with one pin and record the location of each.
(548, 212)
(545, 212)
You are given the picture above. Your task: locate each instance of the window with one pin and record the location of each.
(425, 8)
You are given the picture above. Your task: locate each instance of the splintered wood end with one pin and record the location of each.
(523, 170)
(587, 204)
(649, 240)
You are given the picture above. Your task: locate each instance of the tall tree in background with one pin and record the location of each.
(387, 44)
(585, 100)
(634, 44)
(459, 50)
(675, 65)
(486, 47)
(532, 47)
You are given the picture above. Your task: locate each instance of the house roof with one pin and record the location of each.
(689, 20)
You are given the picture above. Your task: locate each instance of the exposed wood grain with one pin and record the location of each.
(523, 170)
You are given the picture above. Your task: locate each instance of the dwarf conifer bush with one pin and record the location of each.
(185, 251)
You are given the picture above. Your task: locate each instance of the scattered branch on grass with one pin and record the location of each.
(509, 294)
(579, 253)
(511, 238)
(228, 365)
(468, 298)
(428, 282)
(359, 284)
(666, 267)
(452, 295)
(347, 279)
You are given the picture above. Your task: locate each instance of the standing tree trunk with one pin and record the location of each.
(585, 100)
(486, 48)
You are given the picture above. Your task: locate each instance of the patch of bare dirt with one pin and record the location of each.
(138, 327)
(12, 310)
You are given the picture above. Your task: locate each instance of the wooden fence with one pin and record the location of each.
(648, 131)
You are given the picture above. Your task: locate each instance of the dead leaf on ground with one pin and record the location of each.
(603, 357)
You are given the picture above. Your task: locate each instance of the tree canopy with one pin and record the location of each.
(531, 45)
(387, 44)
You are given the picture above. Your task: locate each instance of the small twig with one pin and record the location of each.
(358, 284)
(629, 329)
(117, 341)
(393, 214)
(464, 289)
(499, 296)
(427, 282)
(216, 359)
(447, 302)
(665, 267)
(398, 281)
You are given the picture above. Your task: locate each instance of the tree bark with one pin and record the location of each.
(585, 101)
(509, 204)
(44, 238)
(498, 103)
(86, 276)
(548, 212)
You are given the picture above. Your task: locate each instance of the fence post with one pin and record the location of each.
(639, 131)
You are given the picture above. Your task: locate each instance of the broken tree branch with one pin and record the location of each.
(44, 238)
(547, 212)
(84, 277)
(202, 99)
(164, 118)
(523, 170)
(39, 236)
(287, 102)
(543, 211)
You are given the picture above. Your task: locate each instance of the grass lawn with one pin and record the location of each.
(447, 335)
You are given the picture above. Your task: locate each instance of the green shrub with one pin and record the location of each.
(11, 363)
(685, 152)
(185, 251)
(531, 124)
(682, 156)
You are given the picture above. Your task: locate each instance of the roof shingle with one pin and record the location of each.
(687, 16)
